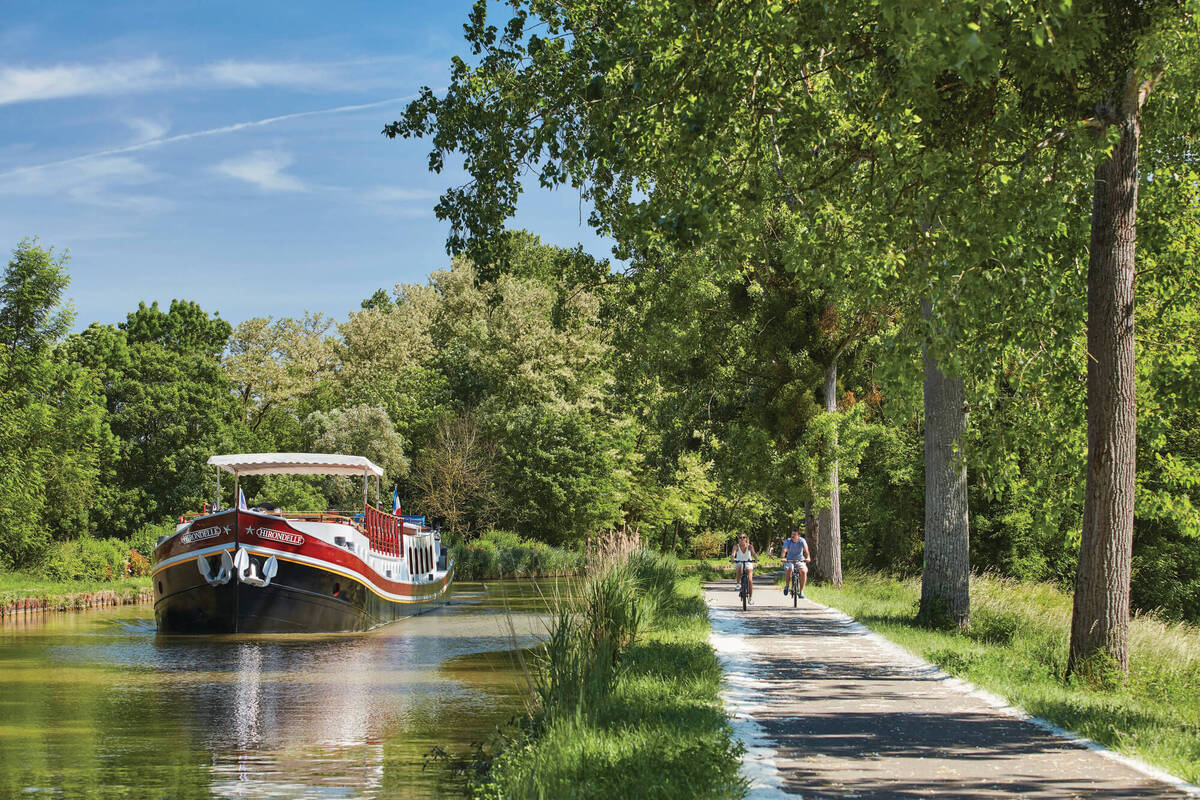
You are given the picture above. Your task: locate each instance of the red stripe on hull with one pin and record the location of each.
(235, 527)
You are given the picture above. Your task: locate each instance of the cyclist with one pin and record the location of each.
(795, 556)
(743, 556)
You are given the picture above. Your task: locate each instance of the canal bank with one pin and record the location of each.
(22, 594)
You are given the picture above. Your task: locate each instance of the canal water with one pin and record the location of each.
(97, 705)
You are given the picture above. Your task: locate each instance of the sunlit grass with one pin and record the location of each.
(1017, 648)
(21, 585)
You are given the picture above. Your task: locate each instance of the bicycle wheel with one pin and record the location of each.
(745, 590)
(795, 590)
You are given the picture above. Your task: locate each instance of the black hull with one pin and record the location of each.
(300, 599)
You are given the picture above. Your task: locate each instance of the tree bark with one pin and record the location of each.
(1100, 618)
(827, 558)
(810, 525)
(945, 580)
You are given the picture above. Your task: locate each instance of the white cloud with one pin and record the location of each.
(27, 84)
(396, 194)
(397, 201)
(103, 182)
(18, 84)
(183, 137)
(252, 74)
(264, 169)
(146, 130)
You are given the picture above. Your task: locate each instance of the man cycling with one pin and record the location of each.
(795, 556)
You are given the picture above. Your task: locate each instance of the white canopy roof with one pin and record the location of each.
(295, 464)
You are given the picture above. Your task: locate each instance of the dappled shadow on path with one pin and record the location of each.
(849, 716)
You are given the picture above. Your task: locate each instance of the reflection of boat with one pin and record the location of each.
(263, 570)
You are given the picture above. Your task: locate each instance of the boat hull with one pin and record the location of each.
(307, 594)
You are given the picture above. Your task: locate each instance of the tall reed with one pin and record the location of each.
(592, 628)
(626, 693)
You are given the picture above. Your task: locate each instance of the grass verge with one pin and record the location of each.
(65, 595)
(1017, 648)
(626, 697)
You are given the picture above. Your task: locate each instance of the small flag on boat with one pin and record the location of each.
(395, 501)
(241, 499)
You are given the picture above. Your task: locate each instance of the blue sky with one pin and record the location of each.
(230, 153)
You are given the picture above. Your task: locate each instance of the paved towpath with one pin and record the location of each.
(829, 710)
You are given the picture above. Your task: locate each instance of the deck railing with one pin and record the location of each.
(344, 517)
(383, 531)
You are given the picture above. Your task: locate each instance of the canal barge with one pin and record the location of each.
(265, 570)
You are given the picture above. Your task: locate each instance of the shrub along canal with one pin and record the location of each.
(97, 704)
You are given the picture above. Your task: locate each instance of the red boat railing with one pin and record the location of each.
(344, 518)
(383, 531)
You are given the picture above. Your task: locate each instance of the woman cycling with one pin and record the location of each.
(744, 557)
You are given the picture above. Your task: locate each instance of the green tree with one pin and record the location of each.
(51, 436)
(170, 407)
(362, 430)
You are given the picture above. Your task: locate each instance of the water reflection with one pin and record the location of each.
(97, 705)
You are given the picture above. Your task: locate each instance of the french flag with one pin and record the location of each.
(241, 499)
(395, 501)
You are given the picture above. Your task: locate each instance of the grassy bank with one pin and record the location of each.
(18, 589)
(1017, 648)
(626, 697)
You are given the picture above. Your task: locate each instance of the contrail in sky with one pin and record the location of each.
(237, 126)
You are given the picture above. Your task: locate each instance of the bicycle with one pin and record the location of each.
(795, 584)
(744, 588)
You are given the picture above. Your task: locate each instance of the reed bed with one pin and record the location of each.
(1016, 647)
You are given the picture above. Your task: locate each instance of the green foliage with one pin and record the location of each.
(31, 317)
(87, 559)
(710, 544)
(51, 432)
(169, 407)
(884, 505)
(503, 554)
(570, 468)
(145, 539)
(292, 493)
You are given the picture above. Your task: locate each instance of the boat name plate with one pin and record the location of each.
(202, 534)
(286, 537)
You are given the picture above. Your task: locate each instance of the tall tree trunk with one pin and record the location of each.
(827, 558)
(812, 533)
(1100, 618)
(945, 580)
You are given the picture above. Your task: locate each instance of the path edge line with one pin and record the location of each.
(1008, 709)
